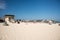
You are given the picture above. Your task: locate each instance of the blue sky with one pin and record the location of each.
(31, 9)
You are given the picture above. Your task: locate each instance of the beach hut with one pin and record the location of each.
(9, 18)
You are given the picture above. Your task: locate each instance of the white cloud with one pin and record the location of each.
(2, 4)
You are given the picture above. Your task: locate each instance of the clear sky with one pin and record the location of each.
(31, 9)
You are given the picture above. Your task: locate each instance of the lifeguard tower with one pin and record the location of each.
(9, 18)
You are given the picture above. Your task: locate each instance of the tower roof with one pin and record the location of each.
(10, 15)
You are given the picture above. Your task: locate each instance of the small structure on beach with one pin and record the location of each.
(9, 18)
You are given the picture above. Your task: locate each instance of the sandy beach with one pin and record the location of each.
(30, 31)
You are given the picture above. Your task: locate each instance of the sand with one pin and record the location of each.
(30, 31)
